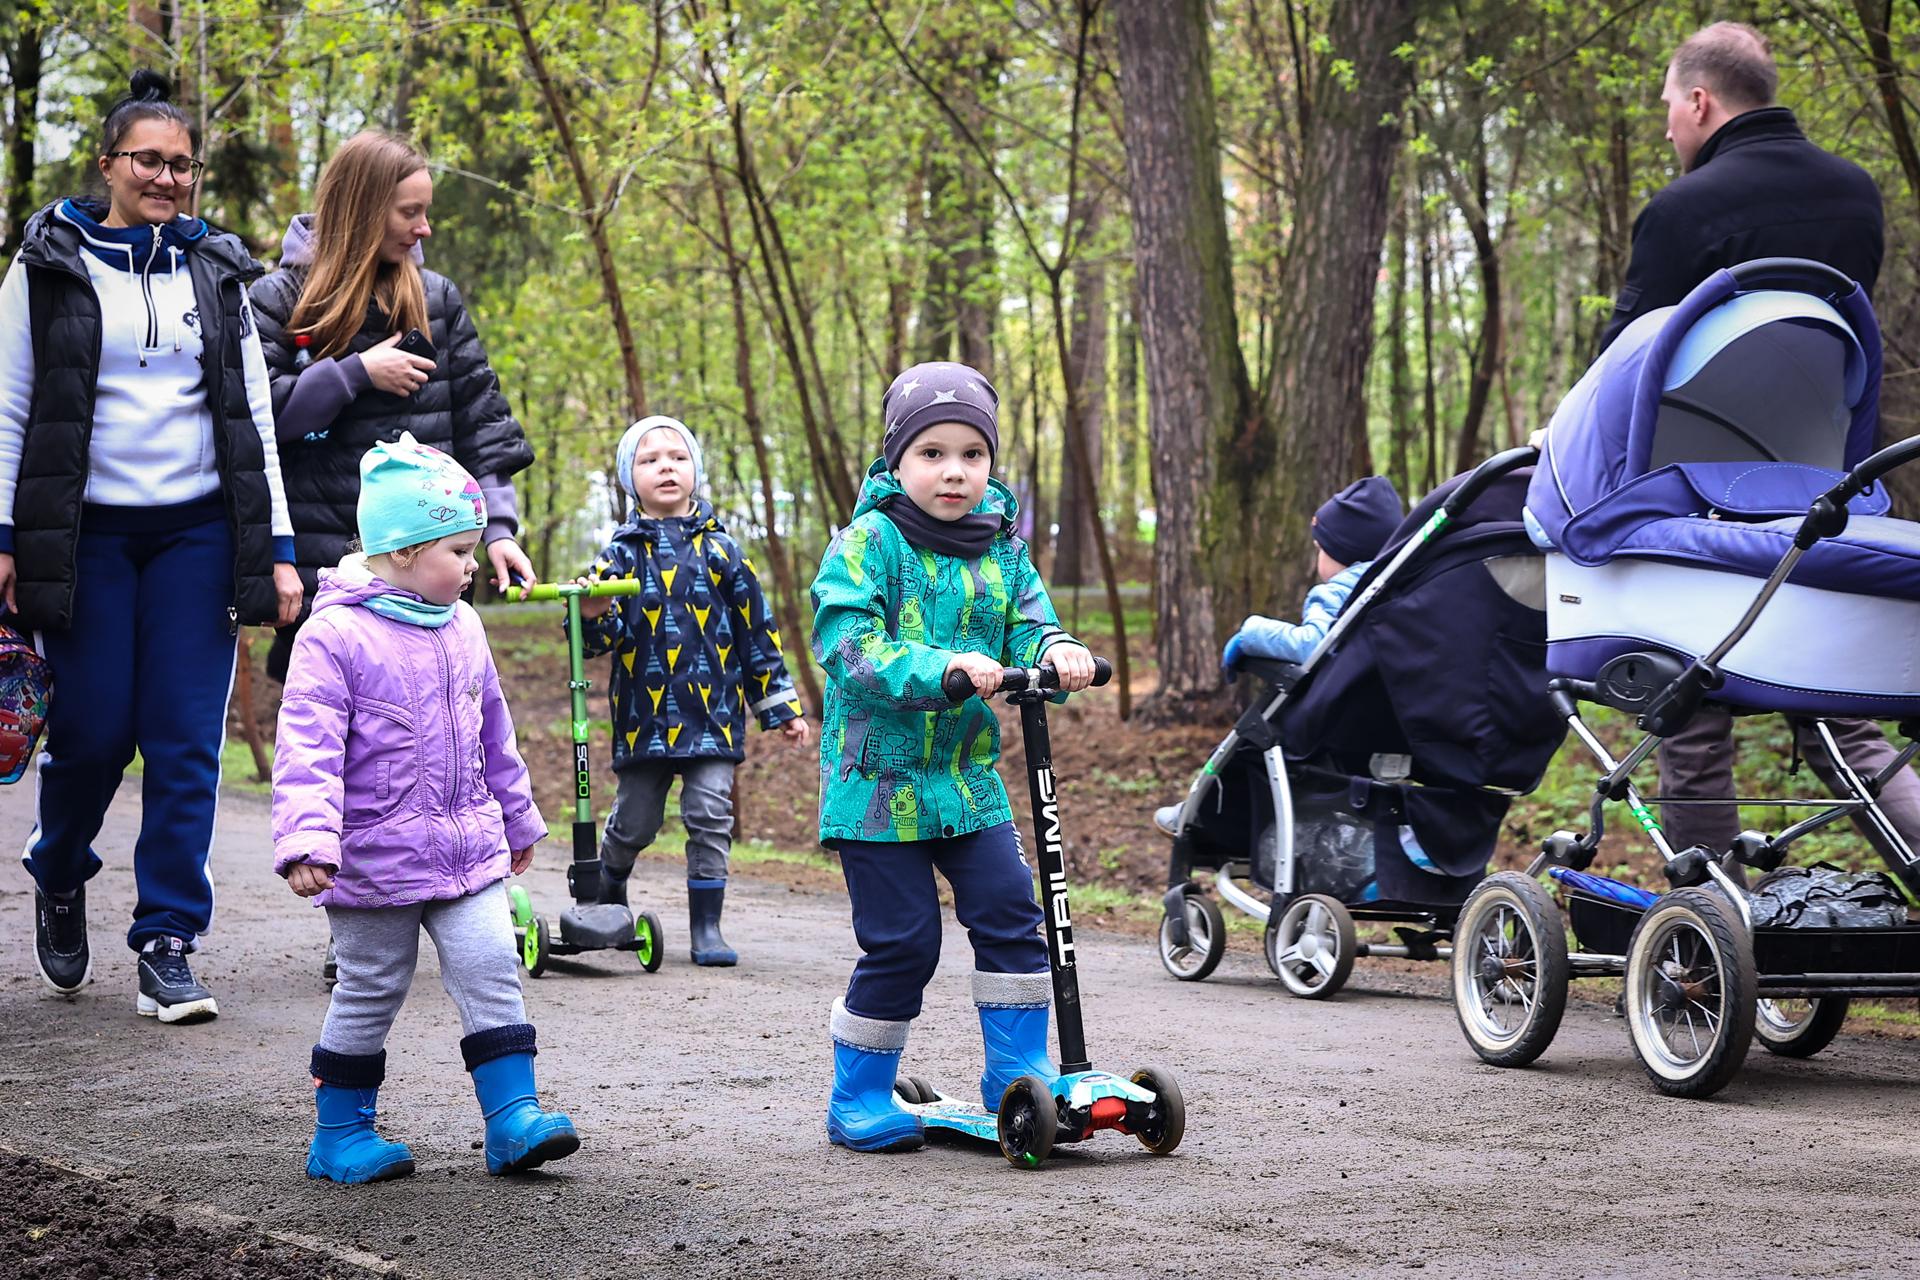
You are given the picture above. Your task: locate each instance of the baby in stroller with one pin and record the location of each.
(1368, 779)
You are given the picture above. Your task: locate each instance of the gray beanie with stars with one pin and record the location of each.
(935, 392)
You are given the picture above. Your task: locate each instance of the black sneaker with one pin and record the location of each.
(167, 989)
(60, 941)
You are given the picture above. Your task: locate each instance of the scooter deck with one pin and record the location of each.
(946, 1114)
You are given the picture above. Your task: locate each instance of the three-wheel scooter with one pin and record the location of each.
(1036, 1115)
(589, 924)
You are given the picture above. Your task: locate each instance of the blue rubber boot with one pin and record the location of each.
(520, 1136)
(1013, 1027)
(704, 900)
(346, 1148)
(864, 1114)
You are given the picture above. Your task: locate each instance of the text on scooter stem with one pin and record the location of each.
(1056, 864)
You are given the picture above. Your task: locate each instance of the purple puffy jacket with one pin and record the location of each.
(395, 763)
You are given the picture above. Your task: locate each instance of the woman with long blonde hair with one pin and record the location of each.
(350, 290)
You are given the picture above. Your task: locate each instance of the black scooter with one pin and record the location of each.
(1034, 1115)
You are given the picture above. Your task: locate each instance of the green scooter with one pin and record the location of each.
(589, 924)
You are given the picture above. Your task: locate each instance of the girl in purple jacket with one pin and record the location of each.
(400, 802)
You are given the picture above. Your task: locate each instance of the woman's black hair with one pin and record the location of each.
(148, 98)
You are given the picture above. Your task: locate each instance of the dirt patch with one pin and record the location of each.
(58, 1223)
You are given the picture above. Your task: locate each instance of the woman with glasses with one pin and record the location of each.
(142, 523)
(334, 324)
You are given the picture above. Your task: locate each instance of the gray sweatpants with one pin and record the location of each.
(1697, 763)
(377, 949)
(640, 807)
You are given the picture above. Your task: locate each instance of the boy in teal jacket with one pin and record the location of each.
(928, 578)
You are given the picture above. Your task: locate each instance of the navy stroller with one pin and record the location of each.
(1369, 783)
(1715, 531)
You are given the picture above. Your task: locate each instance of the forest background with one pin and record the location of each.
(1220, 259)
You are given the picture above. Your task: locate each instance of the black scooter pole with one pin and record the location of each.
(1029, 690)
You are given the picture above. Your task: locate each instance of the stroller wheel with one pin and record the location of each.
(1690, 992)
(1206, 939)
(1310, 946)
(1509, 969)
(1798, 1028)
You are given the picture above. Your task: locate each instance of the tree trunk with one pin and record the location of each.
(1087, 367)
(786, 592)
(1126, 432)
(1429, 407)
(1399, 394)
(24, 52)
(1316, 404)
(1198, 394)
(1876, 18)
(1486, 348)
(593, 211)
(957, 306)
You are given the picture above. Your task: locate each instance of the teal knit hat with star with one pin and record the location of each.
(410, 493)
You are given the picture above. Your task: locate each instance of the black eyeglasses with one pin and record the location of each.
(148, 164)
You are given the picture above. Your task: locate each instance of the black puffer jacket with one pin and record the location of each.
(1757, 189)
(460, 409)
(66, 332)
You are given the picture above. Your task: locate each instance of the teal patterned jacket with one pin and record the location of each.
(897, 760)
(696, 653)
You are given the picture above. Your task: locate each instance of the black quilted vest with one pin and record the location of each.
(65, 315)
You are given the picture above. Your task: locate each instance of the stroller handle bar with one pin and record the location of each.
(561, 590)
(958, 686)
(1482, 477)
(1792, 271)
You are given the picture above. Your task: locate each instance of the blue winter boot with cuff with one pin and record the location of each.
(863, 1114)
(705, 898)
(346, 1147)
(520, 1135)
(1013, 1025)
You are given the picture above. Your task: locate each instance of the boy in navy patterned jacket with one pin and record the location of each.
(694, 653)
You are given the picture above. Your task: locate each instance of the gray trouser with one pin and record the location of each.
(377, 949)
(706, 806)
(1698, 762)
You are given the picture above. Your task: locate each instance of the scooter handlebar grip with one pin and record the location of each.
(561, 590)
(958, 686)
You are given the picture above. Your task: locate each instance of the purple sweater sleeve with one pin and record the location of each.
(324, 388)
(503, 508)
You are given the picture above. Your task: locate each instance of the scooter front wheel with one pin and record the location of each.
(651, 944)
(1165, 1122)
(533, 947)
(1029, 1122)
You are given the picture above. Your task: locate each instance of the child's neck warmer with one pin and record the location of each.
(968, 537)
(406, 609)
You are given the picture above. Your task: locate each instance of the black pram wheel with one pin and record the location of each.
(1691, 992)
(1206, 940)
(1509, 969)
(1799, 1028)
(1310, 946)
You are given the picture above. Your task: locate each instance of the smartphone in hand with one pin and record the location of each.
(417, 343)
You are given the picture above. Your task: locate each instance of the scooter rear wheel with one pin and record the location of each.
(1029, 1122)
(914, 1091)
(652, 949)
(1166, 1122)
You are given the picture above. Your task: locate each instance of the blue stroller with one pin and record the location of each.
(1714, 531)
(1369, 783)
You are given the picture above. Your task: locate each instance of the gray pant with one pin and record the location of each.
(1698, 762)
(706, 806)
(377, 949)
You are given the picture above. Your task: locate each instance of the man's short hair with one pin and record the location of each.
(1732, 61)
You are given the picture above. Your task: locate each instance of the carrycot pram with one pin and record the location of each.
(1715, 531)
(1371, 781)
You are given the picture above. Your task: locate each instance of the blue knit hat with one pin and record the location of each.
(630, 447)
(1355, 523)
(411, 494)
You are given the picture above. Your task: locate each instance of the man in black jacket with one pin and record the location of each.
(1754, 187)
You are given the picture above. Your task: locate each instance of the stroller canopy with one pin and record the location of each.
(1705, 431)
